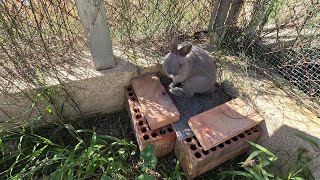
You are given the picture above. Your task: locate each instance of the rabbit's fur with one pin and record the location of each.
(190, 66)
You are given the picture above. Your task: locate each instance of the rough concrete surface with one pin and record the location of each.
(189, 107)
(284, 116)
(81, 95)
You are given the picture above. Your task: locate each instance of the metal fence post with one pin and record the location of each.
(93, 17)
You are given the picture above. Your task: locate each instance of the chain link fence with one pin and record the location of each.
(37, 34)
(291, 39)
(282, 35)
(145, 28)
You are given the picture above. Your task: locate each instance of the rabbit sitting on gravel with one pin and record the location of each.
(190, 66)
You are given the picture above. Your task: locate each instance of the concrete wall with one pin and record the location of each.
(94, 92)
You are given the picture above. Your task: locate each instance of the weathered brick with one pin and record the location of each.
(163, 138)
(155, 102)
(218, 124)
(195, 160)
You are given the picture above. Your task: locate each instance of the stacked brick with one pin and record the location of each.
(220, 133)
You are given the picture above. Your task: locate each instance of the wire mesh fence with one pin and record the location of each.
(283, 35)
(36, 34)
(148, 26)
(288, 42)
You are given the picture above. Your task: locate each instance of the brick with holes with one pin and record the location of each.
(218, 124)
(195, 160)
(162, 138)
(155, 102)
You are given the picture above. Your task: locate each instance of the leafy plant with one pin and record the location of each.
(308, 139)
(45, 96)
(149, 161)
(26, 155)
(176, 174)
(255, 166)
(301, 169)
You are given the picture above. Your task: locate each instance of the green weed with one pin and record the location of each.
(255, 166)
(26, 155)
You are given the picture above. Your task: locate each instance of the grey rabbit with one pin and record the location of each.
(192, 67)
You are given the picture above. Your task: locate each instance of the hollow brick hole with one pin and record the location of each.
(162, 131)
(228, 141)
(144, 129)
(248, 132)
(254, 129)
(136, 110)
(138, 116)
(146, 137)
(140, 123)
(188, 140)
(221, 145)
(197, 154)
(205, 152)
(241, 135)
(154, 134)
(170, 129)
(193, 147)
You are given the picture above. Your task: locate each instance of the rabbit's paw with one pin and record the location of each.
(171, 86)
(176, 91)
(174, 85)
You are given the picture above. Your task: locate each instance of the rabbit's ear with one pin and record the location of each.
(175, 42)
(185, 50)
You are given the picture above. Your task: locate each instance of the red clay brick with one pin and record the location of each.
(195, 160)
(222, 122)
(163, 138)
(155, 102)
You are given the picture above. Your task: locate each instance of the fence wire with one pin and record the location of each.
(289, 44)
(283, 35)
(36, 34)
(149, 25)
